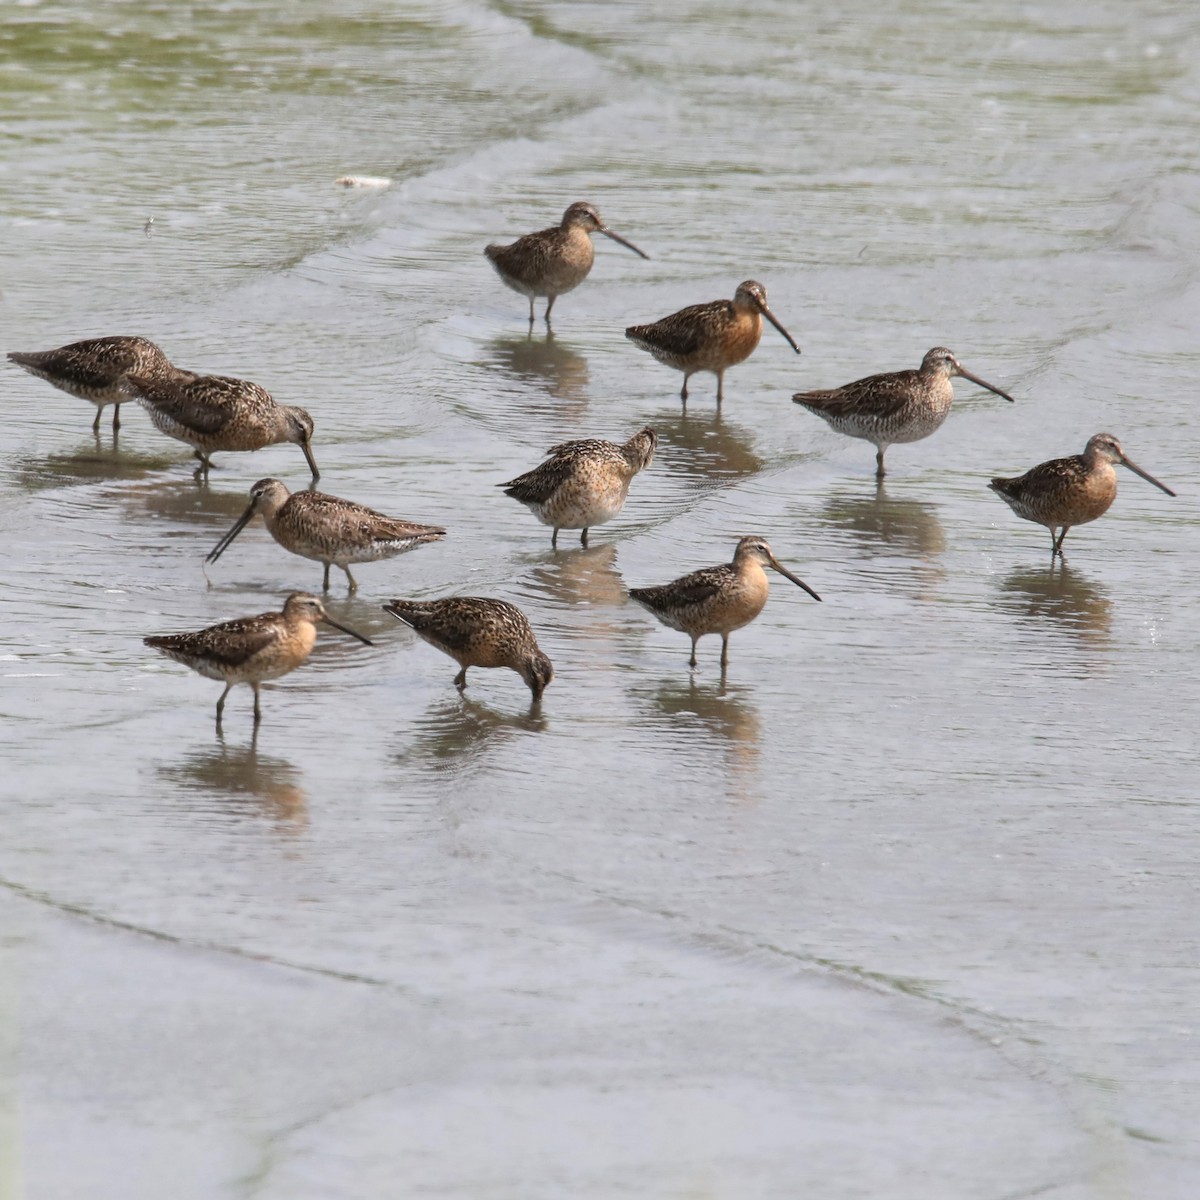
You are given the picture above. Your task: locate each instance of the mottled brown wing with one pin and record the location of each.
(686, 331)
(690, 589)
(229, 644)
(879, 395)
(93, 364)
(525, 259)
(202, 403)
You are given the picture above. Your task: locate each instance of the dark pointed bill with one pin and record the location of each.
(337, 625)
(312, 462)
(238, 526)
(616, 237)
(766, 312)
(1145, 475)
(788, 575)
(983, 383)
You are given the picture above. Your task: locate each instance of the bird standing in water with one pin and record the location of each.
(1065, 492)
(897, 406)
(710, 337)
(333, 531)
(718, 599)
(219, 412)
(553, 261)
(97, 370)
(252, 649)
(478, 632)
(583, 483)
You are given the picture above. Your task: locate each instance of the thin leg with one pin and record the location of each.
(530, 314)
(692, 660)
(720, 387)
(325, 584)
(353, 585)
(96, 422)
(205, 463)
(879, 471)
(683, 390)
(583, 538)
(1058, 545)
(460, 680)
(554, 539)
(548, 308)
(116, 417)
(724, 651)
(257, 709)
(221, 703)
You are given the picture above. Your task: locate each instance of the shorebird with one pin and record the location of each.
(1065, 492)
(252, 649)
(96, 370)
(710, 337)
(478, 632)
(897, 406)
(218, 412)
(718, 599)
(556, 260)
(331, 531)
(583, 483)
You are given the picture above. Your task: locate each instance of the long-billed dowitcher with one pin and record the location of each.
(710, 337)
(252, 649)
(718, 599)
(478, 632)
(556, 260)
(331, 531)
(219, 412)
(1070, 491)
(583, 483)
(96, 370)
(897, 406)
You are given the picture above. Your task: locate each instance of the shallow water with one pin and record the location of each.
(905, 907)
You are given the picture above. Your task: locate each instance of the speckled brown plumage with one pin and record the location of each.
(1065, 492)
(710, 337)
(718, 599)
(330, 530)
(583, 483)
(219, 412)
(97, 369)
(553, 261)
(252, 649)
(478, 632)
(897, 406)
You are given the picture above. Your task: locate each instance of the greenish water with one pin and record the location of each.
(907, 907)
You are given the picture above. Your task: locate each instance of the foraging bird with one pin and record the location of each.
(252, 649)
(478, 632)
(1065, 492)
(219, 412)
(718, 599)
(331, 531)
(710, 337)
(553, 261)
(897, 406)
(97, 370)
(583, 483)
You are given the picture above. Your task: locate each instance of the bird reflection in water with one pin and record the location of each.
(695, 719)
(85, 465)
(455, 734)
(581, 576)
(546, 362)
(1060, 598)
(708, 451)
(906, 525)
(240, 782)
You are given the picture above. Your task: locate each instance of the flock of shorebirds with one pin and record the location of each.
(581, 484)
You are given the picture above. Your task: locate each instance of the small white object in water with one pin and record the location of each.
(366, 181)
(148, 228)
